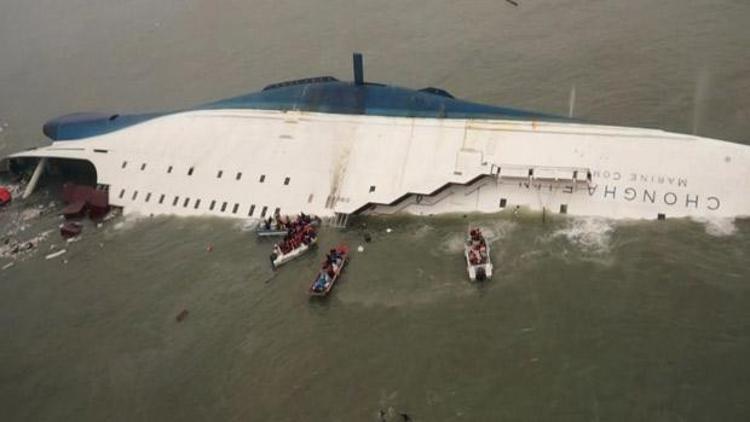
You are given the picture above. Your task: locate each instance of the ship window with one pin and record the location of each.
(286, 181)
(218, 175)
(161, 198)
(197, 203)
(372, 188)
(148, 196)
(661, 216)
(135, 194)
(175, 200)
(124, 164)
(223, 207)
(239, 176)
(122, 193)
(503, 202)
(211, 207)
(262, 178)
(310, 198)
(169, 169)
(235, 208)
(263, 212)
(143, 166)
(563, 208)
(185, 204)
(531, 172)
(252, 209)
(101, 151)
(190, 171)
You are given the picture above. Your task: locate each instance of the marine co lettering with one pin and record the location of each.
(680, 182)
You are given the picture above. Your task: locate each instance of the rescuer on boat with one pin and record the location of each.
(298, 233)
(478, 251)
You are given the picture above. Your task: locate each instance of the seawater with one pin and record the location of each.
(584, 319)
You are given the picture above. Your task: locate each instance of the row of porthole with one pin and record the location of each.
(220, 173)
(197, 204)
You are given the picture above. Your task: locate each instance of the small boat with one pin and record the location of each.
(477, 254)
(262, 231)
(279, 258)
(275, 230)
(329, 272)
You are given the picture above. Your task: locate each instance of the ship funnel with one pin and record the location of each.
(359, 74)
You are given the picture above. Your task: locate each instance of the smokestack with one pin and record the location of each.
(359, 76)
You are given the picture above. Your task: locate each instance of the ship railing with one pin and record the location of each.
(339, 220)
(549, 174)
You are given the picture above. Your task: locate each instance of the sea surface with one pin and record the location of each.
(584, 319)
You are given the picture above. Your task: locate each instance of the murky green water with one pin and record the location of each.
(584, 319)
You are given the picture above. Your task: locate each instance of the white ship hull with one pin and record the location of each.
(248, 163)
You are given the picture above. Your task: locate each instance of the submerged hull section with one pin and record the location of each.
(245, 163)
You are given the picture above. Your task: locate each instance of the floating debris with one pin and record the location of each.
(388, 230)
(360, 248)
(71, 229)
(367, 237)
(8, 265)
(55, 254)
(182, 315)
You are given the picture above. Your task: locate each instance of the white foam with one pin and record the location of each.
(499, 229)
(719, 227)
(422, 231)
(453, 243)
(492, 232)
(592, 235)
(128, 221)
(248, 225)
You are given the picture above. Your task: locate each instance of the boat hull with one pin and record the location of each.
(279, 260)
(169, 165)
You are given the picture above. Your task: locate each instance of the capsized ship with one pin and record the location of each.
(334, 149)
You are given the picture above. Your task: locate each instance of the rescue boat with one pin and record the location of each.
(329, 273)
(477, 254)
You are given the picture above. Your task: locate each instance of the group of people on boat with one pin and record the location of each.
(331, 266)
(299, 232)
(477, 248)
(279, 222)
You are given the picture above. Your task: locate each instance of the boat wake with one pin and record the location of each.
(492, 231)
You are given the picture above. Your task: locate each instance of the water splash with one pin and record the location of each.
(247, 225)
(592, 235)
(719, 227)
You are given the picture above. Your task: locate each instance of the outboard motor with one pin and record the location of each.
(481, 275)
